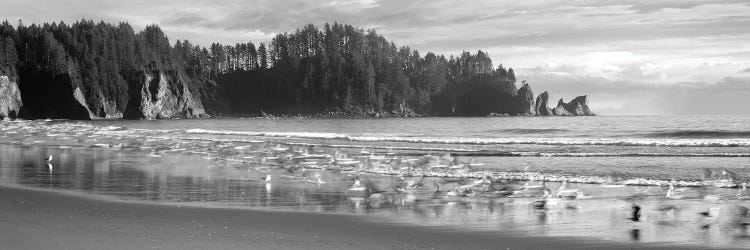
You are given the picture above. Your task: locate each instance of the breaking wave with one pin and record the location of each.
(723, 134)
(529, 131)
(561, 141)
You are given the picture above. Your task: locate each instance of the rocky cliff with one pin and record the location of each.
(161, 94)
(153, 95)
(10, 98)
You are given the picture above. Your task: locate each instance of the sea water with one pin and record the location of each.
(314, 162)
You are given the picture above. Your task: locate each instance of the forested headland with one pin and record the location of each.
(88, 69)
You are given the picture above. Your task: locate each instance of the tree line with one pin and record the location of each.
(314, 69)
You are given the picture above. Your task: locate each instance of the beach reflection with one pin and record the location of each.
(194, 180)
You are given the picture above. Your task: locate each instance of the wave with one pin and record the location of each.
(556, 141)
(543, 154)
(315, 135)
(528, 131)
(718, 134)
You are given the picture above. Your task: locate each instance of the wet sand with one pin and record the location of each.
(35, 219)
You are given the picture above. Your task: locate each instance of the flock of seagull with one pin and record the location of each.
(410, 176)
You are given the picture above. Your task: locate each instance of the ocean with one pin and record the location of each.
(660, 147)
(612, 162)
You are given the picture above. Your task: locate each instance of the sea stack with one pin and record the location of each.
(576, 107)
(540, 106)
(525, 100)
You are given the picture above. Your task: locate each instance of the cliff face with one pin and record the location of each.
(10, 98)
(162, 94)
(154, 95)
(540, 106)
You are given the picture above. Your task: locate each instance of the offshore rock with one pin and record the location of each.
(540, 106)
(560, 110)
(525, 100)
(10, 98)
(576, 107)
(162, 94)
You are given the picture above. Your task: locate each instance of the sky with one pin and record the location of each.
(683, 57)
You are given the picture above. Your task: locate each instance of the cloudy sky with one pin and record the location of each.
(630, 57)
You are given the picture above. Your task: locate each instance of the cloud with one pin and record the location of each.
(186, 18)
(656, 6)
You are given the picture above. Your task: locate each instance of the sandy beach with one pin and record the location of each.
(34, 219)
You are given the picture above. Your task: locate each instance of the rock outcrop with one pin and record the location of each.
(161, 94)
(560, 109)
(576, 107)
(540, 106)
(10, 98)
(525, 100)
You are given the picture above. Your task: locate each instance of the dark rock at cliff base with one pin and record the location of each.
(576, 107)
(525, 100)
(51, 95)
(541, 107)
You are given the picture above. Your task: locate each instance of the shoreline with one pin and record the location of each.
(332, 115)
(40, 219)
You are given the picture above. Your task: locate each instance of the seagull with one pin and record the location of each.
(530, 191)
(371, 191)
(731, 214)
(280, 148)
(408, 185)
(357, 186)
(564, 192)
(742, 194)
(682, 193)
(317, 181)
(267, 179)
(541, 202)
(49, 160)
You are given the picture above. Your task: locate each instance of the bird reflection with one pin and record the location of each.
(635, 234)
(541, 217)
(636, 213)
